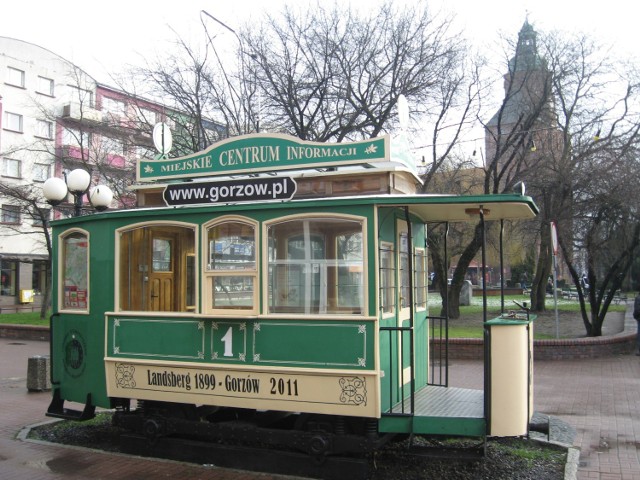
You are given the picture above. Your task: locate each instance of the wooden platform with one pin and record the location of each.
(439, 411)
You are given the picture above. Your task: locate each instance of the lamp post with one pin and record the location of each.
(243, 53)
(77, 183)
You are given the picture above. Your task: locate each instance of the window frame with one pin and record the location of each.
(119, 232)
(9, 268)
(114, 106)
(44, 129)
(209, 275)
(50, 86)
(61, 290)
(16, 116)
(387, 292)
(6, 218)
(44, 168)
(9, 79)
(420, 279)
(364, 287)
(5, 171)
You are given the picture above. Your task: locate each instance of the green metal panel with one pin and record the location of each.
(291, 343)
(425, 425)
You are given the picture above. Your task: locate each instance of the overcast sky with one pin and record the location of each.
(102, 36)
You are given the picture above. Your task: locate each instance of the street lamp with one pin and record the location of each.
(77, 182)
(243, 54)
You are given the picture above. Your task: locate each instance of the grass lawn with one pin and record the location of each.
(474, 311)
(28, 318)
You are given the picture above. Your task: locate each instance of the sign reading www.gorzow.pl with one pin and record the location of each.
(230, 191)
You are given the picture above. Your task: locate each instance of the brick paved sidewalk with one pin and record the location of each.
(21, 460)
(599, 397)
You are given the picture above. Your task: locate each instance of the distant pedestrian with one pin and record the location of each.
(636, 315)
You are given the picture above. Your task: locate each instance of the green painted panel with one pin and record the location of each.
(163, 338)
(314, 344)
(449, 426)
(257, 153)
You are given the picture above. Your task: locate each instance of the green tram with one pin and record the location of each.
(279, 282)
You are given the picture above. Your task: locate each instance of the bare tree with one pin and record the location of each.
(29, 199)
(335, 74)
(510, 139)
(597, 171)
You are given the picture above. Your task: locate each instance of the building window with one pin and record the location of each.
(82, 96)
(115, 107)
(13, 121)
(113, 146)
(44, 129)
(45, 86)
(11, 214)
(11, 168)
(40, 172)
(75, 138)
(40, 277)
(15, 77)
(8, 274)
(146, 116)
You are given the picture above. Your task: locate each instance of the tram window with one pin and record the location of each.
(420, 279)
(387, 278)
(404, 270)
(316, 266)
(157, 271)
(75, 271)
(231, 272)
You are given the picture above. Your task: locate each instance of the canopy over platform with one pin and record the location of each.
(453, 208)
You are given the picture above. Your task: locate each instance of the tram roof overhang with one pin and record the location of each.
(453, 208)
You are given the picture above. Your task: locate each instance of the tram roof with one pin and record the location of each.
(461, 208)
(428, 207)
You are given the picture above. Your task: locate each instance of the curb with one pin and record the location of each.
(571, 468)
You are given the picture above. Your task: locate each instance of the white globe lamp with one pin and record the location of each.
(54, 190)
(101, 197)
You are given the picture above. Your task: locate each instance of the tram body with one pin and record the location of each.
(312, 306)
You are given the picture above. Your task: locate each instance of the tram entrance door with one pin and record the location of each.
(157, 269)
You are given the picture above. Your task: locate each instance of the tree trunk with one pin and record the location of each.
(543, 270)
(460, 272)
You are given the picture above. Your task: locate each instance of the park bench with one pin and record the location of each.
(570, 293)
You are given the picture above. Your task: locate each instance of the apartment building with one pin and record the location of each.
(54, 117)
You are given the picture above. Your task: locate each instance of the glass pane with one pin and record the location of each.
(232, 292)
(420, 281)
(404, 270)
(232, 247)
(75, 274)
(157, 269)
(8, 284)
(161, 255)
(316, 266)
(387, 275)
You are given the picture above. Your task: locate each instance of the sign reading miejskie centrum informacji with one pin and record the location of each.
(264, 153)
